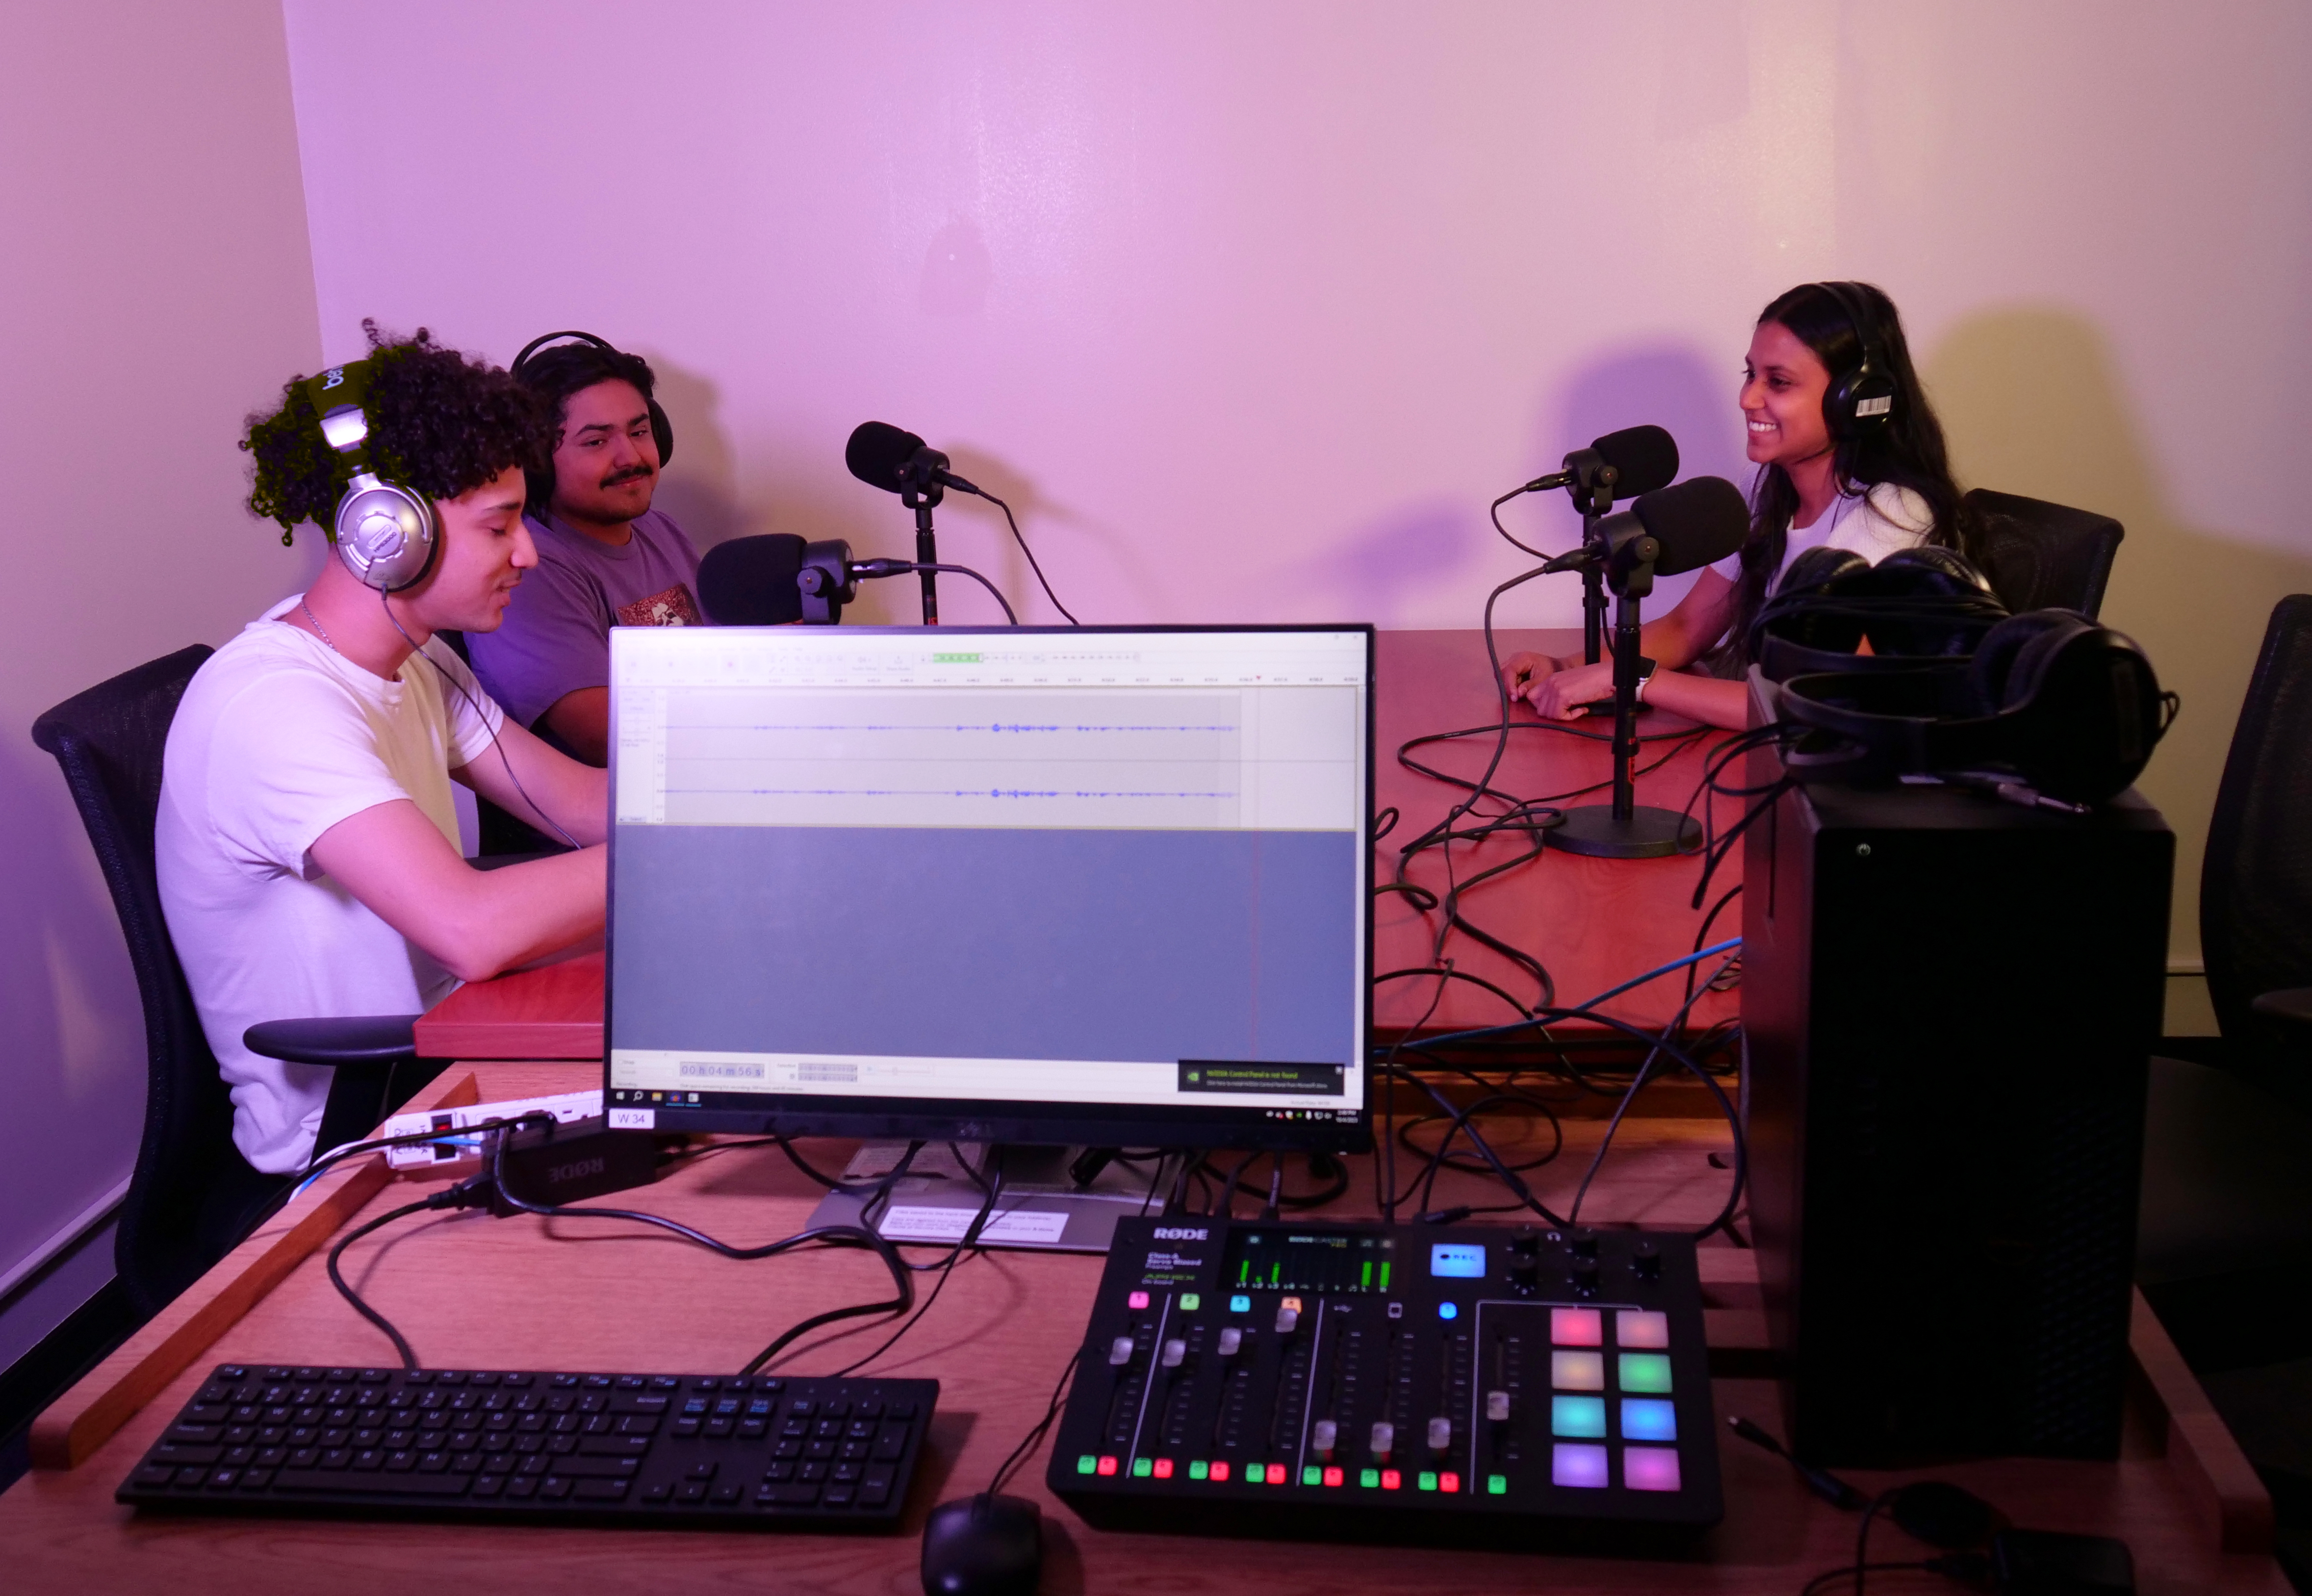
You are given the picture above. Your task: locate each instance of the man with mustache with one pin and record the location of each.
(605, 557)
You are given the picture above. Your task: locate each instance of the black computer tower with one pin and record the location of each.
(1948, 1003)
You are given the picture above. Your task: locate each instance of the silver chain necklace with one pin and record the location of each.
(319, 630)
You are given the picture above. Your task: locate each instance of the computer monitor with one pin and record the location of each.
(1031, 885)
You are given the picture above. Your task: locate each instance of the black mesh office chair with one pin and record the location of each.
(192, 1197)
(2043, 557)
(2256, 889)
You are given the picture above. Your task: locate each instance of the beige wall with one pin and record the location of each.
(155, 284)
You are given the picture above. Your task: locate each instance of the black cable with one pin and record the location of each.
(906, 567)
(443, 672)
(1637, 1084)
(1823, 1580)
(346, 1290)
(1495, 512)
(1024, 549)
(1034, 1437)
(970, 1243)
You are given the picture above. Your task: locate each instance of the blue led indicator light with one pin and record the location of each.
(1448, 1311)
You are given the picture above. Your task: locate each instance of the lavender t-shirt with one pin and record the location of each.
(555, 639)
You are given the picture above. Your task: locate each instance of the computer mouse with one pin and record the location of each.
(984, 1546)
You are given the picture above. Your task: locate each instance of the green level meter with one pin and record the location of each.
(955, 659)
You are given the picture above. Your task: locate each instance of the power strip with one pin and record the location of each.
(566, 1107)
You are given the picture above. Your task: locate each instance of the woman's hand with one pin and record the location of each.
(1522, 677)
(1562, 694)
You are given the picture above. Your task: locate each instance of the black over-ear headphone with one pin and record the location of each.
(1864, 399)
(2070, 706)
(662, 428)
(386, 534)
(1926, 602)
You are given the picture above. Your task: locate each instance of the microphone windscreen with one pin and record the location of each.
(878, 451)
(751, 581)
(1697, 523)
(1646, 458)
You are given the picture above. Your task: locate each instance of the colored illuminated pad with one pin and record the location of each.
(1108, 1465)
(1369, 1477)
(1313, 1475)
(1639, 1329)
(1650, 1467)
(1426, 1481)
(1200, 1470)
(1190, 1301)
(1448, 1311)
(1577, 1327)
(1449, 1483)
(1580, 1466)
(1163, 1468)
(1497, 1485)
(1220, 1471)
(1137, 1299)
(1577, 1371)
(1142, 1467)
(1647, 1418)
(1390, 1479)
(1240, 1303)
(1334, 1477)
(1087, 1464)
(1582, 1418)
(1645, 1372)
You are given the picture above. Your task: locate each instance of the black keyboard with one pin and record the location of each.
(762, 1452)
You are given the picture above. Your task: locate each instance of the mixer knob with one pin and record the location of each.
(1525, 1274)
(1497, 1407)
(1323, 1436)
(1174, 1350)
(1230, 1340)
(1645, 1260)
(1441, 1434)
(1583, 1243)
(1384, 1438)
(1288, 1319)
(1119, 1352)
(1526, 1242)
(1585, 1277)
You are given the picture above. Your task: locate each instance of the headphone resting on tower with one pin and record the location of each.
(386, 534)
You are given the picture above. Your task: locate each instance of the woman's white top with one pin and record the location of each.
(1873, 526)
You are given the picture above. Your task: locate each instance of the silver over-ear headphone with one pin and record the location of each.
(386, 534)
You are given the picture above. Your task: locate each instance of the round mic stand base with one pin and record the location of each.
(1649, 833)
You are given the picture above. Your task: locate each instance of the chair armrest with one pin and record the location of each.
(2290, 1010)
(354, 1040)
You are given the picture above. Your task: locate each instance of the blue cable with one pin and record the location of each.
(1679, 963)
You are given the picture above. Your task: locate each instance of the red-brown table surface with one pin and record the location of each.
(1593, 922)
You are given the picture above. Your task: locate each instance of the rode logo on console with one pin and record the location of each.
(1181, 1233)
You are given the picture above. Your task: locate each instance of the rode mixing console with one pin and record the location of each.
(1518, 1386)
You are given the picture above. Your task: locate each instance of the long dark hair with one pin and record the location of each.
(1907, 451)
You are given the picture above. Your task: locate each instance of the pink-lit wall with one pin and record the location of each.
(1250, 307)
(154, 286)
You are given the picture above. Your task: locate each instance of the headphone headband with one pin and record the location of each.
(662, 428)
(386, 534)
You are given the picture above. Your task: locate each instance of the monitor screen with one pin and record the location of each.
(1044, 886)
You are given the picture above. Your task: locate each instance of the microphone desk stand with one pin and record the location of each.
(1625, 828)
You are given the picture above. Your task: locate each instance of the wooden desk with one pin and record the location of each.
(1594, 922)
(563, 1294)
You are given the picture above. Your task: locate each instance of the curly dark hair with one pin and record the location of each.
(439, 423)
(555, 374)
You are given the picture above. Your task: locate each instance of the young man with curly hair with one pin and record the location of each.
(307, 844)
(605, 557)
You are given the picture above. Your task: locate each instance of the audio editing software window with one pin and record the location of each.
(1090, 868)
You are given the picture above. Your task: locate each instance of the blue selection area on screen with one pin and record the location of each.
(992, 943)
(1457, 1260)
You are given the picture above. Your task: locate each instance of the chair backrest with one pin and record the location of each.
(2255, 886)
(192, 1191)
(2043, 557)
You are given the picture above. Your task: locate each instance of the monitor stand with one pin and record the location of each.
(1040, 1209)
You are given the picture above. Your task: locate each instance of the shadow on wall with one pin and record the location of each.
(2034, 405)
(1066, 541)
(698, 488)
(1675, 389)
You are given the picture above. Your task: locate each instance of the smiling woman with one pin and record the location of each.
(1850, 456)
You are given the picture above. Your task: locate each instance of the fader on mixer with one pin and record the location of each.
(1511, 1385)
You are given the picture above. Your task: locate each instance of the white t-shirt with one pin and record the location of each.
(278, 738)
(1874, 526)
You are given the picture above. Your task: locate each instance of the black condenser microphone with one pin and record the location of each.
(1643, 458)
(751, 581)
(1696, 523)
(895, 460)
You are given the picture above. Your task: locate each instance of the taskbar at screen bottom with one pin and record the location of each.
(1018, 1124)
